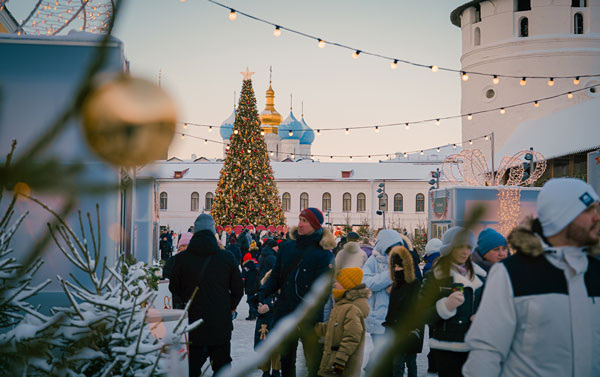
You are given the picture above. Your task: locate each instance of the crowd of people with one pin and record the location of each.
(525, 305)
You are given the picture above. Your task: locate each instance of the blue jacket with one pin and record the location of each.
(317, 260)
(377, 278)
(429, 261)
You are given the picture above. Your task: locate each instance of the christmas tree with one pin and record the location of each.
(247, 193)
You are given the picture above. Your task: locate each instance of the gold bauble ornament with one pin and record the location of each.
(129, 121)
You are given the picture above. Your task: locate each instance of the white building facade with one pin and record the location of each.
(527, 38)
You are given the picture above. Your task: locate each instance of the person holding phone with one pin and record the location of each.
(453, 288)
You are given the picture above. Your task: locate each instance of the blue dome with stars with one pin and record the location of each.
(291, 124)
(227, 126)
(309, 135)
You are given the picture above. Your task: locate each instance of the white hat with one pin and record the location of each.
(433, 246)
(561, 201)
(449, 240)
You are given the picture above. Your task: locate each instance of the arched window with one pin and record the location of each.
(383, 202)
(303, 201)
(208, 201)
(195, 201)
(361, 202)
(286, 200)
(398, 203)
(326, 202)
(524, 27)
(477, 37)
(420, 203)
(347, 202)
(163, 200)
(523, 5)
(578, 23)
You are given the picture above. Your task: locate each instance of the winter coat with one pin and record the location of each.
(345, 333)
(448, 328)
(404, 298)
(249, 275)
(368, 249)
(264, 322)
(350, 256)
(478, 259)
(316, 261)
(429, 259)
(168, 267)
(220, 288)
(237, 253)
(377, 279)
(539, 316)
(266, 262)
(416, 259)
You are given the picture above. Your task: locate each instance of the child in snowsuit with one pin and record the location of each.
(345, 329)
(264, 324)
(250, 275)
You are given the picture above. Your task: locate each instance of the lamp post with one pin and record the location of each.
(381, 195)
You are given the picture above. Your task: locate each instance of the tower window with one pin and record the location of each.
(477, 14)
(477, 37)
(524, 27)
(523, 5)
(578, 23)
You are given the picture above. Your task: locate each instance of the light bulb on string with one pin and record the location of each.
(376, 129)
(347, 131)
(406, 126)
(210, 129)
(495, 80)
(486, 137)
(277, 31)
(470, 117)
(318, 132)
(262, 133)
(331, 157)
(523, 81)
(464, 76)
(437, 122)
(182, 136)
(369, 158)
(422, 152)
(394, 64)
(185, 126)
(355, 54)
(570, 95)
(502, 111)
(536, 104)
(236, 132)
(438, 149)
(205, 141)
(293, 155)
(322, 43)
(454, 146)
(576, 81)
(290, 133)
(350, 158)
(434, 68)
(551, 81)
(470, 142)
(271, 154)
(405, 154)
(232, 15)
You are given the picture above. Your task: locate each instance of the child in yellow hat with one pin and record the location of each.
(345, 330)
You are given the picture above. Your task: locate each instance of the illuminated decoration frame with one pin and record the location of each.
(469, 167)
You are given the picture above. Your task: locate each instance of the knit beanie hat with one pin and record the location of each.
(314, 217)
(352, 237)
(561, 201)
(489, 239)
(433, 246)
(204, 222)
(386, 239)
(185, 239)
(450, 239)
(349, 278)
(246, 258)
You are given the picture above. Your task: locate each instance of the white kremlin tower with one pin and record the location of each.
(537, 42)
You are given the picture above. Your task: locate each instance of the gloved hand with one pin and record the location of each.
(455, 300)
(337, 369)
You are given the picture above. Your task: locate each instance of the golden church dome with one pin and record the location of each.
(270, 118)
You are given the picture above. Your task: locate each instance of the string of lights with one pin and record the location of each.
(437, 120)
(394, 61)
(369, 156)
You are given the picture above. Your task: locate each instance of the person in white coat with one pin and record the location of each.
(540, 311)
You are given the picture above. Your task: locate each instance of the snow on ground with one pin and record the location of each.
(242, 346)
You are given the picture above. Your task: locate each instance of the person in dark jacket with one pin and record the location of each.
(491, 248)
(403, 300)
(249, 275)
(214, 272)
(267, 259)
(264, 324)
(234, 249)
(300, 262)
(165, 247)
(184, 241)
(432, 252)
(453, 287)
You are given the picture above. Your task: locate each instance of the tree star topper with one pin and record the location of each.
(247, 75)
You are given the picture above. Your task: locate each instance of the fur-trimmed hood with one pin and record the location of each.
(407, 263)
(523, 240)
(327, 241)
(352, 248)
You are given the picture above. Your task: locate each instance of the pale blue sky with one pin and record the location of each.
(201, 53)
